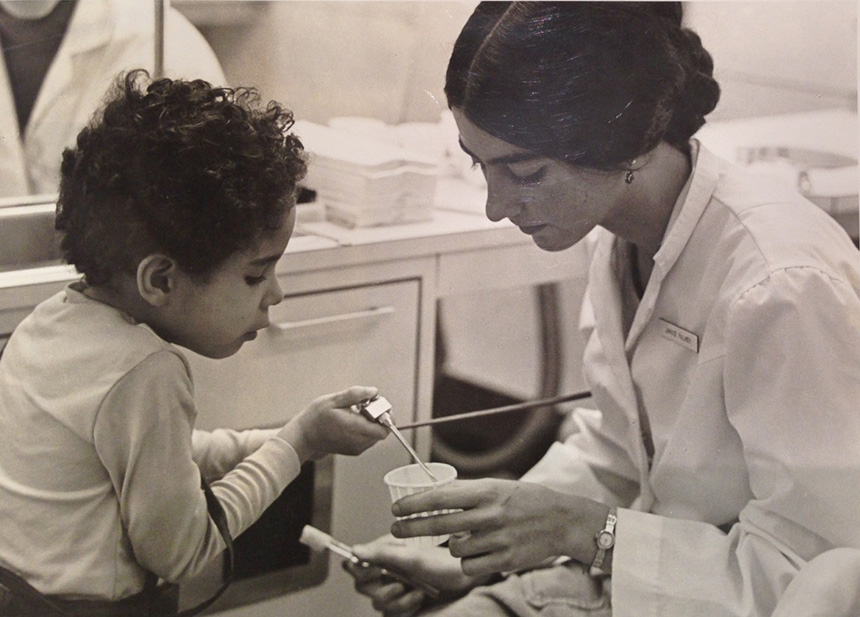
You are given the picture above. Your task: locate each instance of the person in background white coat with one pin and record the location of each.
(60, 57)
(723, 348)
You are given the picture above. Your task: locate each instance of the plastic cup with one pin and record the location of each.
(410, 480)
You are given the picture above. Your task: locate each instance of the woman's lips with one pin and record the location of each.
(531, 229)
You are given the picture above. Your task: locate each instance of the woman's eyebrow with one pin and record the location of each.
(265, 261)
(507, 159)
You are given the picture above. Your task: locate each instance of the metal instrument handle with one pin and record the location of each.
(504, 409)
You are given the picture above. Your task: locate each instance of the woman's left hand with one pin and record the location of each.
(504, 525)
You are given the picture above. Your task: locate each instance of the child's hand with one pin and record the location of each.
(328, 425)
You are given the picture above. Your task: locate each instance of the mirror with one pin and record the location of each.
(59, 59)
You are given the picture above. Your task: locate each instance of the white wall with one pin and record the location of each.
(325, 59)
(779, 56)
(387, 59)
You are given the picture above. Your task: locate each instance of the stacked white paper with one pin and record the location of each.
(365, 182)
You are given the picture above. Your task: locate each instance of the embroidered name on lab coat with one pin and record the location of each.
(677, 334)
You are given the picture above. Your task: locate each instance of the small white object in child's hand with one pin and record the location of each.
(373, 409)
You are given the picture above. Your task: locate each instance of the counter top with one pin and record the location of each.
(458, 223)
(829, 130)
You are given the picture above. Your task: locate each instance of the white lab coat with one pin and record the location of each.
(828, 586)
(104, 38)
(745, 354)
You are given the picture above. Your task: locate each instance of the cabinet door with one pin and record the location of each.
(319, 343)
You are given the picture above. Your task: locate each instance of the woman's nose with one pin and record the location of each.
(501, 204)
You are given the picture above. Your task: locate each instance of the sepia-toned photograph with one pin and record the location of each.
(431, 308)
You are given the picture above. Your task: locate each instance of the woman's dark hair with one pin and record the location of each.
(589, 83)
(178, 167)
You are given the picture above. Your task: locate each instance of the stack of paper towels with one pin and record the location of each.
(364, 180)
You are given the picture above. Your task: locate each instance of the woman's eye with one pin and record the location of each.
(255, 280)
(532, 178)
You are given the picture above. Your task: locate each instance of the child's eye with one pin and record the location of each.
(255, 280)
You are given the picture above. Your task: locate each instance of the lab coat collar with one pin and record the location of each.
(688, 209)
(90, 28)
(12, 167)
(605, 296)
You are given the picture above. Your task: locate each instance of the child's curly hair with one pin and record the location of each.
(179, 167)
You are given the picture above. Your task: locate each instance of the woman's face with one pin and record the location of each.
(553, 202)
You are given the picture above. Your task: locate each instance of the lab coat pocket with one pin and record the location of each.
(565, 591)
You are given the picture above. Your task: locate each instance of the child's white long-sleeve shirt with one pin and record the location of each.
(100, 464)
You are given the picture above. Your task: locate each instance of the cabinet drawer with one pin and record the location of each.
(316, 343)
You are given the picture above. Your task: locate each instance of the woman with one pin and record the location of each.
(722, 353)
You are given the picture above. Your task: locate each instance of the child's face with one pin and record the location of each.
(215, 318)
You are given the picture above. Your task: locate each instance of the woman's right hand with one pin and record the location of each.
(434, 566)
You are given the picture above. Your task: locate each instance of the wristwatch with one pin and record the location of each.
(605, 539)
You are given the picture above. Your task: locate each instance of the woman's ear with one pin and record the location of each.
(639, 162)
(156, 278)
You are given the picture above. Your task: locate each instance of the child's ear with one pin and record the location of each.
(156, 278)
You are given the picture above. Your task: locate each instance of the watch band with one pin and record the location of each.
(605, 539)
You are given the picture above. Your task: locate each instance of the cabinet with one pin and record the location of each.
(319, 342)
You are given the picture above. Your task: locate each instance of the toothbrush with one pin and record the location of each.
(320, 541)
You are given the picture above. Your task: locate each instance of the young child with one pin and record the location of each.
(175, 205)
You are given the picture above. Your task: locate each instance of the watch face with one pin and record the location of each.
(605, 540)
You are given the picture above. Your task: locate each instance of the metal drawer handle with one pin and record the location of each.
(293, 326)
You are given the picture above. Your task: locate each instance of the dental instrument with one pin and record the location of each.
(566, 398)
(319, 540)
(378, 409)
